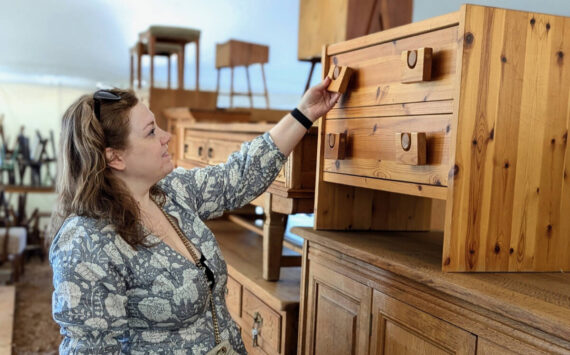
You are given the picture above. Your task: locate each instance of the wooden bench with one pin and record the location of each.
(7, 308)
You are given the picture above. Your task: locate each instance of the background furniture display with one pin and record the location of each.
(330, 21)
(292, 191)
(172, 35)
(492, 166)
(272, 308)
(235, 53)
(385, 293)
(161, 49)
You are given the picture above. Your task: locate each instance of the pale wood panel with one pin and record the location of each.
(219, 150)
(7, 307)
(377, 71)
(405, 109)
(329, 295)
(195, 149)
(401, 329)
(371, 150)
(486, 347)
(233, 297)
(511, 146)
(420, 27)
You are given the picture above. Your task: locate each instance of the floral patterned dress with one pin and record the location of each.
(110, 298)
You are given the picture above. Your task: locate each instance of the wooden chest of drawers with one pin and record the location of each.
(270, 307)
(457, 123)
(291, 192)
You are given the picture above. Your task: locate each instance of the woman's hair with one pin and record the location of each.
(85, 184)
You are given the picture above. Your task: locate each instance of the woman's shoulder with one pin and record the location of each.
(78, 232)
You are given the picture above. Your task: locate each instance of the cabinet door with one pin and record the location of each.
(399, 328)
(338, 313)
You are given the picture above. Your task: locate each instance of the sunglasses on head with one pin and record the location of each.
(99, 96)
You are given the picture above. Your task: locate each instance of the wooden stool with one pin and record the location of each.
(161, 49)
(237, 53)
(173, 35)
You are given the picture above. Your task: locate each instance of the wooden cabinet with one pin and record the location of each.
(338, 310)
(486, 90)
(330, 21)
(291, 192)
(384, 293)
(270, 307)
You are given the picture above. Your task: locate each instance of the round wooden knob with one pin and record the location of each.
(336, 72)
(412, 59)
(406, 141)
(331, 140)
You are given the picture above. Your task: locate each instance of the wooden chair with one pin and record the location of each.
(12, 246)
(161, 49)
(172, 35)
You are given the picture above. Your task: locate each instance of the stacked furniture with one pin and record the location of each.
(232, 54)
(450, 149)
(331, 21)
(161, 49)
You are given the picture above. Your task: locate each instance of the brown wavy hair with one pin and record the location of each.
(85, 184)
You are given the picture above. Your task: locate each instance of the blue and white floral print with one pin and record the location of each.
(110, 298)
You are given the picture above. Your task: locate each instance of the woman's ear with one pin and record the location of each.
(114, 159)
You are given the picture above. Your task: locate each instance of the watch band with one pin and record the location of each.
(307, 123)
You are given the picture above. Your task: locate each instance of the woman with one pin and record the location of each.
(135, 268)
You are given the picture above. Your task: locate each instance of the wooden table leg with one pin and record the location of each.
(249, 87)
(151, 42)
(232, 87)
(181, 68)
(264, 86)
(168, 85)
(198, 65)
(273, 232)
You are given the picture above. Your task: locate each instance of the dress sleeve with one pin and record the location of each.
(89, 299)
(215, 189)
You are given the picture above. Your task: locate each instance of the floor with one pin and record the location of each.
(35, 332)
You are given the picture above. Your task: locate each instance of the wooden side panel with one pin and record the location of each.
(160, 99)
(508, 194)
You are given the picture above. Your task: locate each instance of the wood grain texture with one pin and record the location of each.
(7, 307)
(508, 195)
(536, 307)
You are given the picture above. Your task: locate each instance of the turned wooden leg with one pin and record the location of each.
(273, 232)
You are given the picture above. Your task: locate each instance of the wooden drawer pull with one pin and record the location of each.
(210, 152)
(335, 146)
(200, 149)
(416, 65)
(340, 77)
(411, 148)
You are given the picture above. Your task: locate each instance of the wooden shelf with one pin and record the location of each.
(539, 300)
(242, 250)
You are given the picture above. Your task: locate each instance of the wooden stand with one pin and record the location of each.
(233, 54)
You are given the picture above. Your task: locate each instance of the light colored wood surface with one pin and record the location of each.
(540, 301)
(329, 21)
(511, 192)
(235, 53)
(398, 328)
(7, 309)
(242, 250)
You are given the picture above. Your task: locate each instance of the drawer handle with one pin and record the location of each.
(200, 149)
(257, 323)
(210, 152)
(185, 148)
(416, 65)
(335, 146)
(411, 148)
(340, 76)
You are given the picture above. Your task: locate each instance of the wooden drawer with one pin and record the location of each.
(233, 297)
(268, 324)
(372, 148)
(219, 150)
(195, 148)
(378, 71)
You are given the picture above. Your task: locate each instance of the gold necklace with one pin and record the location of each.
(201, 266)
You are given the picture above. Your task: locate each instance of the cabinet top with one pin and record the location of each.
(540, 300)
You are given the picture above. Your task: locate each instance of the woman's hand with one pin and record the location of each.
(317, 101)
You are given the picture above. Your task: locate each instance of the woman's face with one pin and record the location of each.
(146, 158)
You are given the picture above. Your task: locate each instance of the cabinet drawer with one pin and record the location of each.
(378, 71)
(233, 297)
(219, 150)
(372, 148)
(195, 148)
(268, 322)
